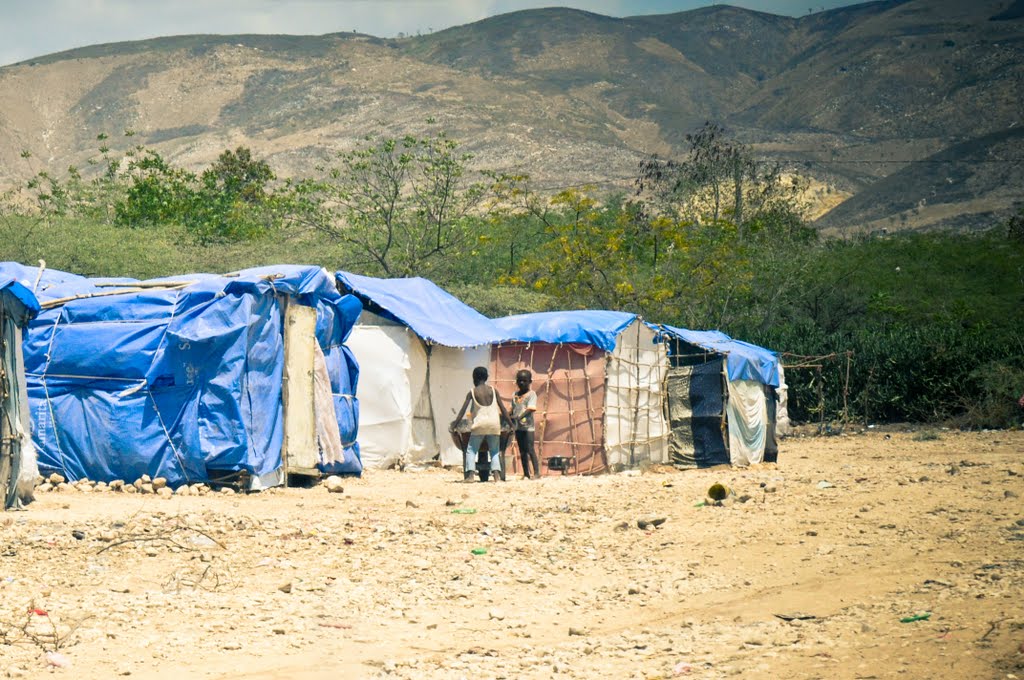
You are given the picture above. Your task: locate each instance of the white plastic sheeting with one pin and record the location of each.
(635, 427)
(451, 379)
(393, 370)
(408, 393)
(748, 422)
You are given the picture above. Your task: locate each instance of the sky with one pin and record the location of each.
(32, 28)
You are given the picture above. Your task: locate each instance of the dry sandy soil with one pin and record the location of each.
(382, 580)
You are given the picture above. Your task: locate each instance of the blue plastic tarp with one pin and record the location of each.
(17, 299)
(182, 382)
(592, 327)
(744, 361)
(433, 314)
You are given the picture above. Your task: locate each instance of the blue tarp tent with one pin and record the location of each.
(181, 377)
(18, 306)
(592, 327)
(418, 346)
(714, 380)
(433, 314)
(744, 361)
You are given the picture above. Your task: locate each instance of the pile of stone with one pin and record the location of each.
(143, 485)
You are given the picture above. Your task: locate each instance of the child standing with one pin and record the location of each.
(524, 405)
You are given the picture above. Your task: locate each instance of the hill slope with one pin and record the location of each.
(564, 95)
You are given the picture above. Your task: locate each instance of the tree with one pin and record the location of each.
(233, 200)
(718, 180)
(612, 255)
(158, 193)
(404, 205)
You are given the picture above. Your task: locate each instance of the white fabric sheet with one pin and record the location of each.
(747, 413)
(635, 427)
(451, 379)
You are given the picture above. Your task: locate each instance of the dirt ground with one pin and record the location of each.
(395, 577)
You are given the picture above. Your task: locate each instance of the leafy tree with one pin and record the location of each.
(404, 206)
(233, 200)
(157, 193)
(613, 256)
(719, 179)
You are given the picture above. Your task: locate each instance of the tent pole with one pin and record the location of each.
(572, 420)
(284, 388)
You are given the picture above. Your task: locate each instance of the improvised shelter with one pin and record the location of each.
(717, 385)
(18, 468)
(241, 378)
(599, 379)
(418, 346)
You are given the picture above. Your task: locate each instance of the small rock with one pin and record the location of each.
(55, 479)
(286, 588)
(410, 504)
(183, 490)
(228, 491)
(44, 487)
(130, 488)
(770, 488)
(333, 484)
(159, 482)
(78, 534)
(744, 498)
(825, 485)
(633, 589)
(577, 632)
(107, 536)
(117, 485)
(57, 660)
(279, 630)
(496, 614)
(1009, 494)
(145, 479)
(165, 492)
(152, 552)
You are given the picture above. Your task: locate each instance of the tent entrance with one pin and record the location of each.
(696, 412)
(569, 380)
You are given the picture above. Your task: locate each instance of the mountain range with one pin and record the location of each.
(900, 113)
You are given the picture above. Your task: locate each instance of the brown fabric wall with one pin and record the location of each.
(569, 380)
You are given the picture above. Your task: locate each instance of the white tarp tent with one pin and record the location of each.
(409, 392)
(417, 346)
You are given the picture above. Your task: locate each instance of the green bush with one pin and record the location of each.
(1000, 386)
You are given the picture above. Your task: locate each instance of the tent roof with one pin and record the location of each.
(593, 327)
(744, 361)
(16, 297)
(304, 283)
(431, 313)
